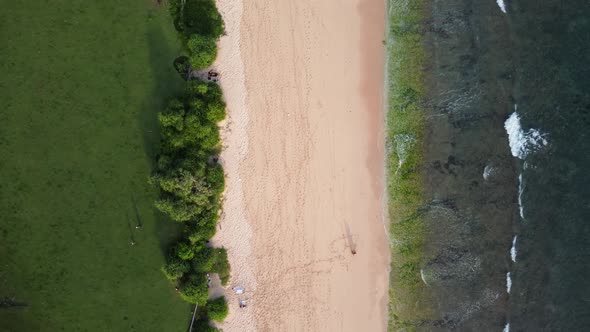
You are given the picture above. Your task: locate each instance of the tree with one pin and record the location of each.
(197, 16)
(184, 251)
(185, 185)
(200, 231)
(177, 209)
(202, 51)
(204, 260)
(215, 111)
(175, 268)
(217, 309)
(194, 289)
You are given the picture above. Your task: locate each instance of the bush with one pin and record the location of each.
(182, 66)
(197, 16)
(204, 260)
(200, 232)
(194, 289)
(175, 268)
(178, 209)
(202, 51)
(217, 309)
(202, 325)
(185, 251)
(221, 265)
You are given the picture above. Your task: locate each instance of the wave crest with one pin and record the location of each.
(522, 143)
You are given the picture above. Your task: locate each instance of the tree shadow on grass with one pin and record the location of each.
(167, 84)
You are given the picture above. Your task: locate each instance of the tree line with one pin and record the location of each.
(187, 175)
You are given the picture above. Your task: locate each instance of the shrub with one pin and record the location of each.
(217, 309)
(182, 66)
(178, 209)
(221, 265)
(175, 268)
(204, 260)
(197, 16)
(185, 251)
(215, 111)
(202, 51)
(194, 289)
(202, 325)
(200, 232)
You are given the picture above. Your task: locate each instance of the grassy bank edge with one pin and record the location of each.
(405, 117)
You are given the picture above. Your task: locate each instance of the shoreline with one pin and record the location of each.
(302, 191)
(449, 219)
(234, 231)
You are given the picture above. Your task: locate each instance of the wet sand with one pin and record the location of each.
(304, 162)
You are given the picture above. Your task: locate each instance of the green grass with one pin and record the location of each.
(405, 122)
(80, 88)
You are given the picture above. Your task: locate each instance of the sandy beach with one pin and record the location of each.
(303, 156)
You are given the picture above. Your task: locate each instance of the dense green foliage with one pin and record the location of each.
(217, 309)
(197, 17)
(202, 325)
(186, 173)
(80, 86)
(194, 289)
(405, 122)
(175, 268)
(200, 25)
(203, 51)
(190, 183)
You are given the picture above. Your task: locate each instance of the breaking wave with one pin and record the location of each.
(522, 142)
(502, 5)
(520, 192)
(506, 328)
(508, 282)
(403, 144)
(513, 250)
(488, 172)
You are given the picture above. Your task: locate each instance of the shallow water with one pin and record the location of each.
(507, 160)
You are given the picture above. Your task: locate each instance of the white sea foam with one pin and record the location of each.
(513, 250)
(506, 328)
(523, 142)
(520, 192)
(488, 172)
(502, 5)
(423, 277)
(403, 145)
(508, 282)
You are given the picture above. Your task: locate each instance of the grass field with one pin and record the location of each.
(80, 87)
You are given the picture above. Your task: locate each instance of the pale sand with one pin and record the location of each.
(304, 162)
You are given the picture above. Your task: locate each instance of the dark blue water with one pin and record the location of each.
(551, 278)
(507, 153)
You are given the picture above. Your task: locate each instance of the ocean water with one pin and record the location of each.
(551, 47)
(507, 158)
